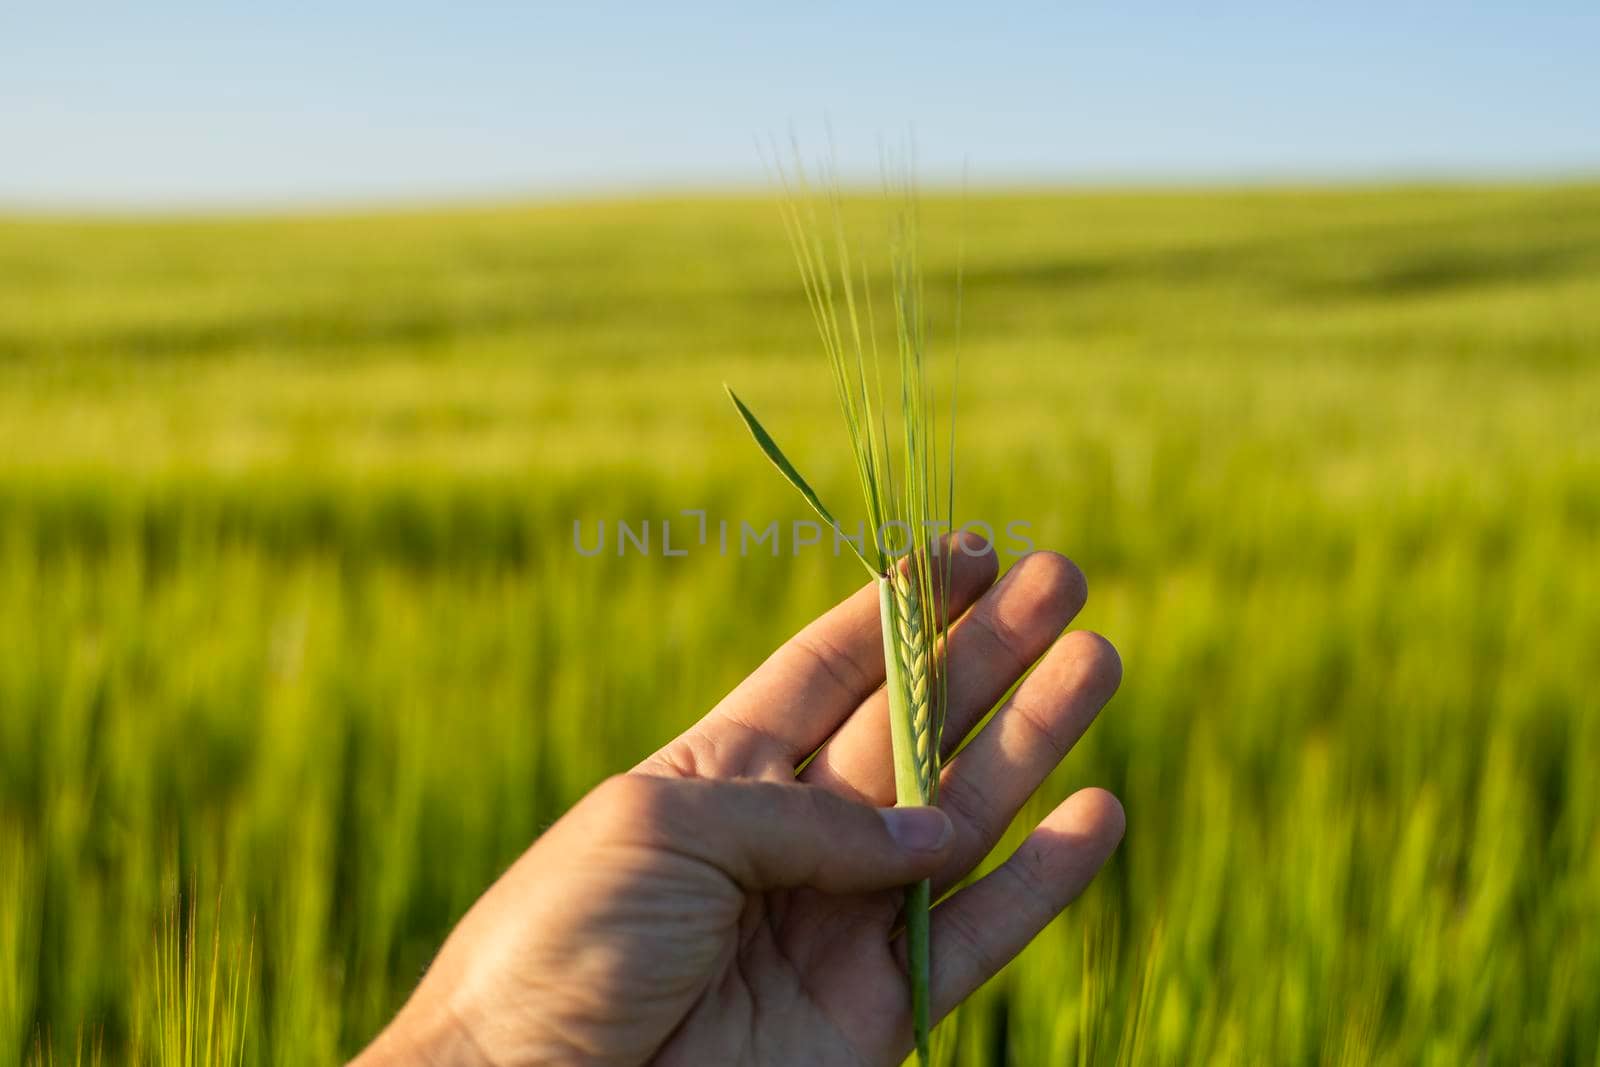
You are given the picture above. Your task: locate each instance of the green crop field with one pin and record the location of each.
(296, 652)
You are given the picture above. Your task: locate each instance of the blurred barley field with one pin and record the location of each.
(296, 653)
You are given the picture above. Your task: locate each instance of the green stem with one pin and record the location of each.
(909, 792)
(918, 901)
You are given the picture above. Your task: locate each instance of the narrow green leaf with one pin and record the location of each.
(787, 469)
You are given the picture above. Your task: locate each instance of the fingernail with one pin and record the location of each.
(917, 829)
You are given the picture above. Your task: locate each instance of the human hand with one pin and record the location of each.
(713, 906)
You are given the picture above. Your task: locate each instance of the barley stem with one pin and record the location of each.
(900, 486)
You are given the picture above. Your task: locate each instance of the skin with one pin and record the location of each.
(712, 906)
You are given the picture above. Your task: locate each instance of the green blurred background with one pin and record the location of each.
(296, 653)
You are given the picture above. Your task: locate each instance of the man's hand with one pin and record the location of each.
(714, 906)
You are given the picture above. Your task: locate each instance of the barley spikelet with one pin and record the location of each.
(917, 659)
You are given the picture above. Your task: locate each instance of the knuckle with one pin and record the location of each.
(688, 756)
(1030, 869)
(632, 799)
(971, 811)
(814, 802)
(1051, 732)
(1039, 596)
(831, 663)
(965, 937)
(806, 807)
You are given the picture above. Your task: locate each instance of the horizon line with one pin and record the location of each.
(501, 195)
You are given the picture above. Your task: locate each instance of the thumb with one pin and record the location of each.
(769, 835)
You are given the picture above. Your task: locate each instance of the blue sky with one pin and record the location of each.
(218, 104)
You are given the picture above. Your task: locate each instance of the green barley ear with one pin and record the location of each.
(905, 485)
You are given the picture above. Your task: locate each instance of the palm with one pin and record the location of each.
(799, 970)
(809, 970)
